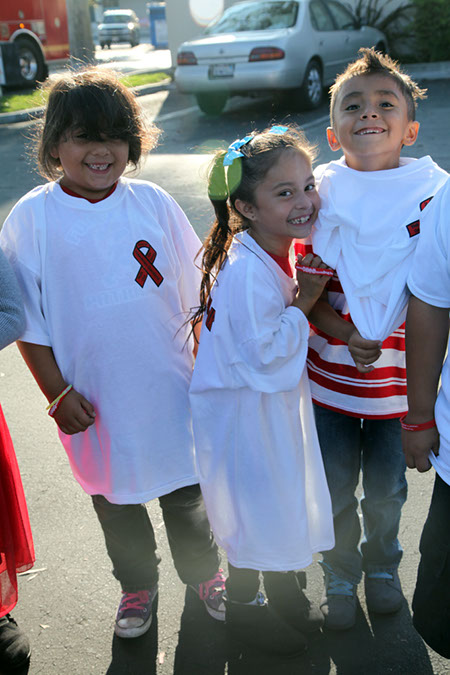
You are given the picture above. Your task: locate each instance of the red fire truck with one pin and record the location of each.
(39, 29)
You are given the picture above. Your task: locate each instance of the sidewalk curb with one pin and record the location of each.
(418, 71)
(36, 113)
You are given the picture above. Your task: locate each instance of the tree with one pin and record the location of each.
(80, 36)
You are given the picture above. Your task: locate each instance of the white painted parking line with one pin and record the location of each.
(177, 113)
(319, 120)
(188, 111)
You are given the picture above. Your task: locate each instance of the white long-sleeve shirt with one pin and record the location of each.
(429, 280)
(258, 456)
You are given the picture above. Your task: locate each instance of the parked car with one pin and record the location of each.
(119, 25)
(295, 46)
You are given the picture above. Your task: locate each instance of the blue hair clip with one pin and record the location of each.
(233, 150)
(278, 129)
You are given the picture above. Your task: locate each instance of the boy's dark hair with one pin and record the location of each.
(96, 102)
(372, 62)
(240, 181)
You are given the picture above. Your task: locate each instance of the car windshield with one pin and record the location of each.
(255, 16)
(116, 18)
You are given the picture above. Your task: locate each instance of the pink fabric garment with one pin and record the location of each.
(16, 542)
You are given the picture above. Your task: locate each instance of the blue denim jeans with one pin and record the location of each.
(349, 446)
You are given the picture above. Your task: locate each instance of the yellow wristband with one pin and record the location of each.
(53, 406)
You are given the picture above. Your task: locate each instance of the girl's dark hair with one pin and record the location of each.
(98, 103)
(239, 181)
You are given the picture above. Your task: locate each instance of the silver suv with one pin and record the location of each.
(119, 25)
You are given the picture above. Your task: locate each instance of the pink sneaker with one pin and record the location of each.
(135, 613)
(211, 592)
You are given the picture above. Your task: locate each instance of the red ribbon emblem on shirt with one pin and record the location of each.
(210, 315)
(146, 261)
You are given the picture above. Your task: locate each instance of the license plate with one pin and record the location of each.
(221, 70)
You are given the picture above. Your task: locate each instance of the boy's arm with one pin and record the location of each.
(75, 413)
(426, 341)
(325, 318)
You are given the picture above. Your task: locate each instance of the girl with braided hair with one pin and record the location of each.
(258, 455)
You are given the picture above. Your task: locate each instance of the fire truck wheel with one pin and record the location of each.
(32, 65)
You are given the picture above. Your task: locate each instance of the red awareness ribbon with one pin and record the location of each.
(314, 270)
(146, 261)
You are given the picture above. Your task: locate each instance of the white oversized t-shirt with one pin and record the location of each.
(109, 287)
(367, 231)
(258, 455)
(429, 280)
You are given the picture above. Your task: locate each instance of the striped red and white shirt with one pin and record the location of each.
(337, 384)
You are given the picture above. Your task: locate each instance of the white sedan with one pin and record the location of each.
(295, 46)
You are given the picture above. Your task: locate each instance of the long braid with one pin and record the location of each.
(220, 236)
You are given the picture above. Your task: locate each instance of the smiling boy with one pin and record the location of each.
(367, 231)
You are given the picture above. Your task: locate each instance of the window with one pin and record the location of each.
(320, 18)
(255, 16)
(117, 18)
(343, 18)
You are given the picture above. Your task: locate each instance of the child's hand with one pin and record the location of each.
(311, 284)
(364, 352)
(417, 446)
(74, 414)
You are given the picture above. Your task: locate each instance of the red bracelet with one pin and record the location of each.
(314, 270)
(416, 427)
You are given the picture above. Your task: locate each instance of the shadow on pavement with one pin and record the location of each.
(378, 646)
(201, 648)
(24, 670)
(382, 645)
(137, 656)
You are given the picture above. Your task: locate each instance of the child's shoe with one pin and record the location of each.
(383, 592)
(211, 593)
(286, 598)
(255, 625)
(338, 604)
(135, 613)
(14, 645)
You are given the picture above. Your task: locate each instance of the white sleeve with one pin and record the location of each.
(187, 247)
(271, 339)
(19, 243)
(12, 317)
(429, 278)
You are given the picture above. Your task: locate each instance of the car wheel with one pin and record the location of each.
(102, 45)
(32, 65)
(311, 91)
(212, 104)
